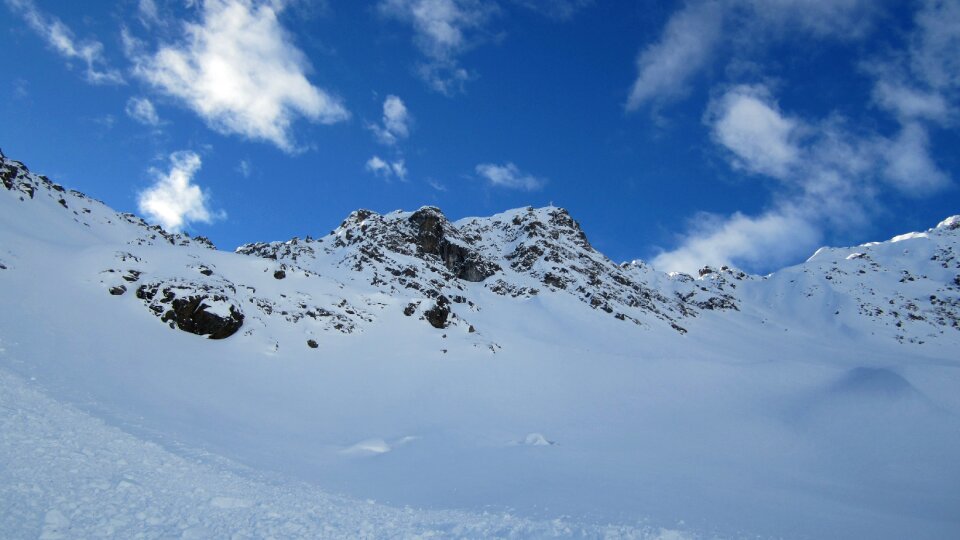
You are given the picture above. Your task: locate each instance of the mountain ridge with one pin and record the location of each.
(433, 268)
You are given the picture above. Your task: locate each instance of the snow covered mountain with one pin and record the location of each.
(483, 365)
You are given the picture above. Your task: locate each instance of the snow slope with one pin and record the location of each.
(480, 377)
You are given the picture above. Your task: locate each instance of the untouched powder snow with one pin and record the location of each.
(488, 377)
(64, 474)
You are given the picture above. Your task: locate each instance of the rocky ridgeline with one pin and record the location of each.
(429, 268)
(909, 284)
(518, 254)
(88, 212)
(195, 297)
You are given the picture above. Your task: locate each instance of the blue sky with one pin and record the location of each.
(745, 132)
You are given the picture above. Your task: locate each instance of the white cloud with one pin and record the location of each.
(436, 185)
(555, 9)
(772, 238)
(830, 179)
(910, 103)
(384, 169)
(697, 33)
(245, 168)
(148, 13)
(142, 110)
(909, 166)
(684, 48)
(59, 36)
(174, 201)
(833, 175)
(843, 19)
(443, 29)
(240, 72)
(747, 122)
(509, 176)
(395, 123)
(920, 89)
(933, 53)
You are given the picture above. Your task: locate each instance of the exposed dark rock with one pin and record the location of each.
(279, 274)
(410, 309)
(438, 314)
(554, 281)
(460, 260)
(118, 290)
(205, 271)
(312, 344)
(190, 315)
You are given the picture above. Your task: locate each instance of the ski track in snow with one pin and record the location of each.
(65, 474)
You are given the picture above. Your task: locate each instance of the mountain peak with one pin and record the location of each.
(952, 223)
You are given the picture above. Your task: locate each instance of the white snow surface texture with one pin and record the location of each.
(408, 376)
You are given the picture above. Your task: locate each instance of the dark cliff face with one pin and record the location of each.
(463, 262)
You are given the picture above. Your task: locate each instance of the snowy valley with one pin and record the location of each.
(407, 375)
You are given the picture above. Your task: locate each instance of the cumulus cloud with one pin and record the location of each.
(239, 70)
(832, 175)
(771, 238)
(509, 176)
(830, 178)
(684, 48)
(142, 110)
(387, 169)
(59, 37)
(395, 124)
(443, 29)
(174, 201)
(747, 122)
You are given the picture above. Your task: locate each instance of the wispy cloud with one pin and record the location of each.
(143, 111)
(245, 168)
(395, 124)
(703, 29)
(509, 176)
(174, 201)
(909, 165)
(746, 121)
(443, 29)
(148, 13)
(387, 169)
(239, 70)
(831, 174)
(61, 39)
(684, 48)
(560, 10)
(830, 177)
